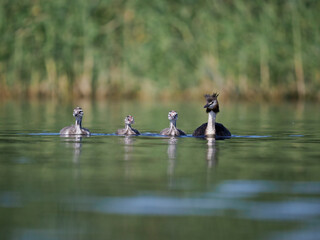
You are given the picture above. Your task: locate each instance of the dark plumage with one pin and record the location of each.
(221, 131)
(211, 99)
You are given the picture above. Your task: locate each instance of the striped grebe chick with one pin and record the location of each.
(128, 130)
(212, 128)
(172, 130)
(76, 129)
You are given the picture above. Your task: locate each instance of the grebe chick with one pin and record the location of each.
(212, 128)
(172, 130)
(76, 129)
(128, 130)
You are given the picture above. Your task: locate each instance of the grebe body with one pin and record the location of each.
(221, 131)
(212, 128)
(172, 130)
(128, 130)
(77, 128)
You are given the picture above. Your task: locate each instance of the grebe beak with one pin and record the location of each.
(207, 105)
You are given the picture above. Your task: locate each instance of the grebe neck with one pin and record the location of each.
(128, 127)
(211, 129)
(78, 125)
(173, 123)
(173, 129)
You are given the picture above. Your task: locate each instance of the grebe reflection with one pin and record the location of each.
(128, 146)
(76, 142)
(172, 152)
(211, 152)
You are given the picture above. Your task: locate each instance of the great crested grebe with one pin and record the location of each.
(172, 130)
(128, 130)
(212, 128)
(76, 129)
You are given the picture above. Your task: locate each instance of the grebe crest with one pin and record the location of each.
(172, 115)
(212, 102)
(78, 112)
(129, 120)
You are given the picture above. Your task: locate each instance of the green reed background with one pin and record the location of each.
(145, 49)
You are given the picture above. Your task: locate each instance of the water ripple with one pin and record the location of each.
(157, 135)
(230, 195)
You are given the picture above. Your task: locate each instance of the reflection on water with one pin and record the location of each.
(211, 157)
(211, 153)
(75, 142)
(172, 148)
(172, 152)
(128, 147)
(307, 232)
(263, 183)
(237, 196)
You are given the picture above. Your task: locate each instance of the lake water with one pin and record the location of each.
(263, 183)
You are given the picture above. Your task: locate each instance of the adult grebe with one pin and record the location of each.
(172, 130)
(212, 128)
(76, 129)
(128, 130)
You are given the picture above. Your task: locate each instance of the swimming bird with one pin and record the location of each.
(76, 129)
(172, 130)
(128, 130)
(212, 128)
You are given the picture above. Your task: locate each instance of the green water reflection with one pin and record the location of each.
(261, 184)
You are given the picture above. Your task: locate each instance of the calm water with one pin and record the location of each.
(261, 184)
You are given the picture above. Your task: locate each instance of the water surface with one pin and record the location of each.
(263, 183)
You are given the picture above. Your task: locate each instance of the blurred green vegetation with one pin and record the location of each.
(143, 49)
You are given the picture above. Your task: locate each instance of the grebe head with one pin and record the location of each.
(129, 120)
(212, 102)
(77, 112)
(172, 115)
